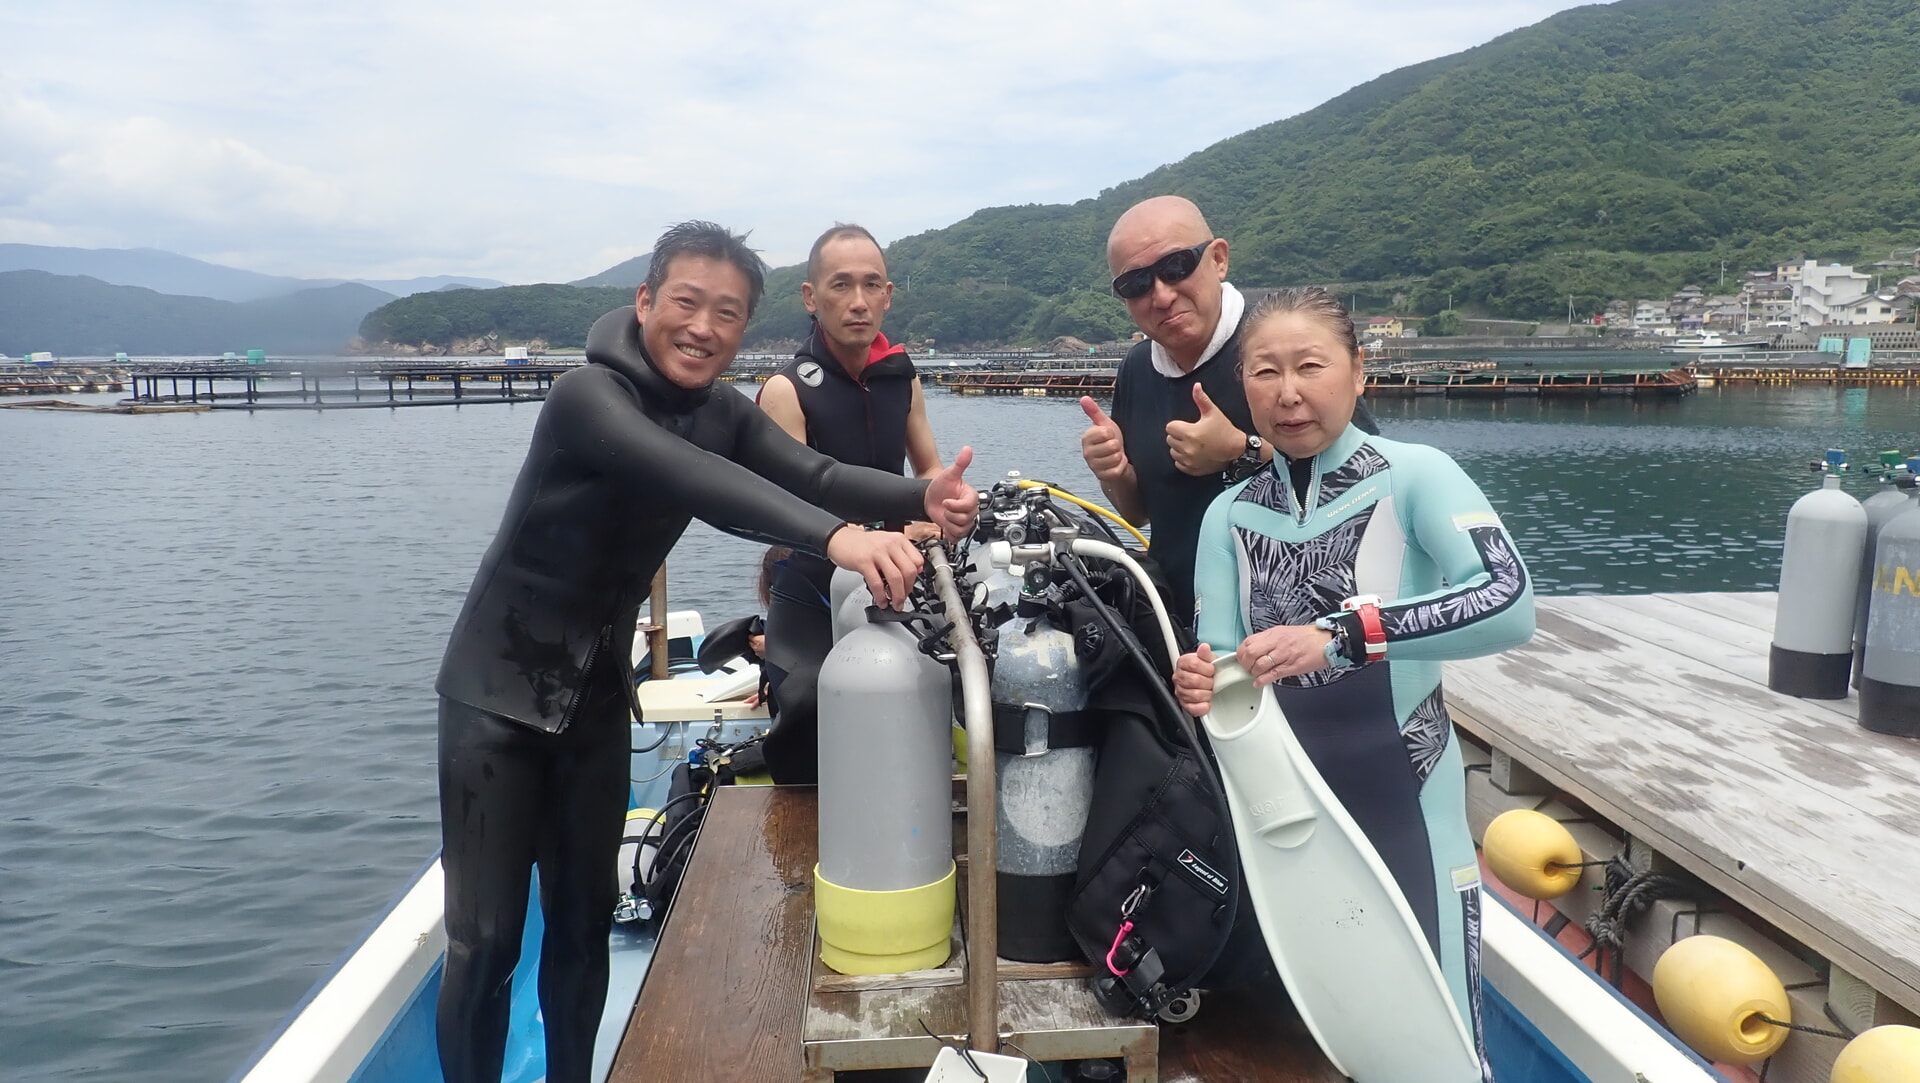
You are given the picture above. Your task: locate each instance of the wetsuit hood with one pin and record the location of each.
(615, 342)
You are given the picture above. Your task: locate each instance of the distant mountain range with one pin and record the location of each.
(76, 316)
(84, 302)
(627, 275)
(167, 272)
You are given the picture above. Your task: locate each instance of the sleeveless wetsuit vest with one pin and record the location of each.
(860, 422)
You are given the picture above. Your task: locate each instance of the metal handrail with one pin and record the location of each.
(983, 925)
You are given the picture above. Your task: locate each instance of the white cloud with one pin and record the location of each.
(532, 142)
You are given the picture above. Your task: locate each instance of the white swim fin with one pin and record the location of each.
(1345, 941)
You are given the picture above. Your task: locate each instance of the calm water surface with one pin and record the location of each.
(219, 632)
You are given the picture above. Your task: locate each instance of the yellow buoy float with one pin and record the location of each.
(1532, 853)
(1717, 997)
(1888, 1054)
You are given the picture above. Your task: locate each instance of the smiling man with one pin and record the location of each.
(1179, 432)
(851, 394)
(536, 687)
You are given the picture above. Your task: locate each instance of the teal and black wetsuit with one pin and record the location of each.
(1402, 521)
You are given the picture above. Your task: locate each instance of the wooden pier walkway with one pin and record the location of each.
(732, 992)
(336, 387)
(1654, 712)
(1738, 373)
(1476, 382)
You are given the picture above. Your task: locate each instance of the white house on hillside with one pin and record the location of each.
(1824, 293)
(1873, 308)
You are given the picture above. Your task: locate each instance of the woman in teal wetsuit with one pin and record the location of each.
(1342, 575)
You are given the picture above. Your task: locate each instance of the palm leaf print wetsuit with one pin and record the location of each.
(1404, 522)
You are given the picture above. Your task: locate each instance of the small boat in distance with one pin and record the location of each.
(1711, 340)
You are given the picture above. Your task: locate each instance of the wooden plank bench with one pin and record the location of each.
(732, 979)
(1653, 710)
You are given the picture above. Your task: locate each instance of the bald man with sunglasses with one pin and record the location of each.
(1180, 431)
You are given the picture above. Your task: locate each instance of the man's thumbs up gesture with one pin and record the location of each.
(1205, 446)
(1102, 446)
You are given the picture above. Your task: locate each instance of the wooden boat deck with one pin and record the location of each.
(731, 993)
(1654, 711)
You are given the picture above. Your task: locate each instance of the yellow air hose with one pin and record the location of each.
(1087, 504)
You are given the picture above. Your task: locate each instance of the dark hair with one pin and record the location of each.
(839, 230)
(1310, 301)
(713, 241)
(764, 587)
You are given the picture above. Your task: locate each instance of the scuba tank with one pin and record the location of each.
(847, 615)
(1812, 653)
(1880, 507)
(1890, 671)
(1044, 758)
(884, 887)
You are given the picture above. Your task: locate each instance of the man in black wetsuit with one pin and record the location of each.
(1180, 431)
(851, 394)
(535, 688)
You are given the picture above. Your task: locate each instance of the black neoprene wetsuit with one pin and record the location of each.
(862, 422)
(533, 713)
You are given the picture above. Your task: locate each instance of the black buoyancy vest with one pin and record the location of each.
(862, 422)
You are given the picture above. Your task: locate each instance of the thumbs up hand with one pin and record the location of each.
(1207, 445)
(953, 504)
(1102, 446)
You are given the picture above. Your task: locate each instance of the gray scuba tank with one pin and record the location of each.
(1812, 652)
(1882, 506)
(1890, 672)
(847, 615)
(884, 887)
(1045, 757)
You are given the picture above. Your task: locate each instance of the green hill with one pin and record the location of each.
(1605, 152)
(1613, 151)
(627, 274)
(75, 315)
(558, 315)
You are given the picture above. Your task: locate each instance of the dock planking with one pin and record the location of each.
(1654, 711)
(723, 998)
(728, 997)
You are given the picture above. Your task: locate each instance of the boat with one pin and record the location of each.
(1549, 1017)
(1712, 340)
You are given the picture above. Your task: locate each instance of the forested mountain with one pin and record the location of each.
(627, 274)
(77, 316)
(1608, 152)
(557, 315)
(1605, 152)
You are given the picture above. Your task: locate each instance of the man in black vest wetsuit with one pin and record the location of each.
(851, 394)
(535, 687)
(1180, 431)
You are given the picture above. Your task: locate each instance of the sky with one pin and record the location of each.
(534, 142)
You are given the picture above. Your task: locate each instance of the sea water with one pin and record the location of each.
(219, 634)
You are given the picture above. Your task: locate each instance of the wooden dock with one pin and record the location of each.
(336, 387)
(1746, 373)
(1653, 711)
(733, 991)
(1474, 382)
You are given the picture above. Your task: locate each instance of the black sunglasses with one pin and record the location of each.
(1170, 268)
